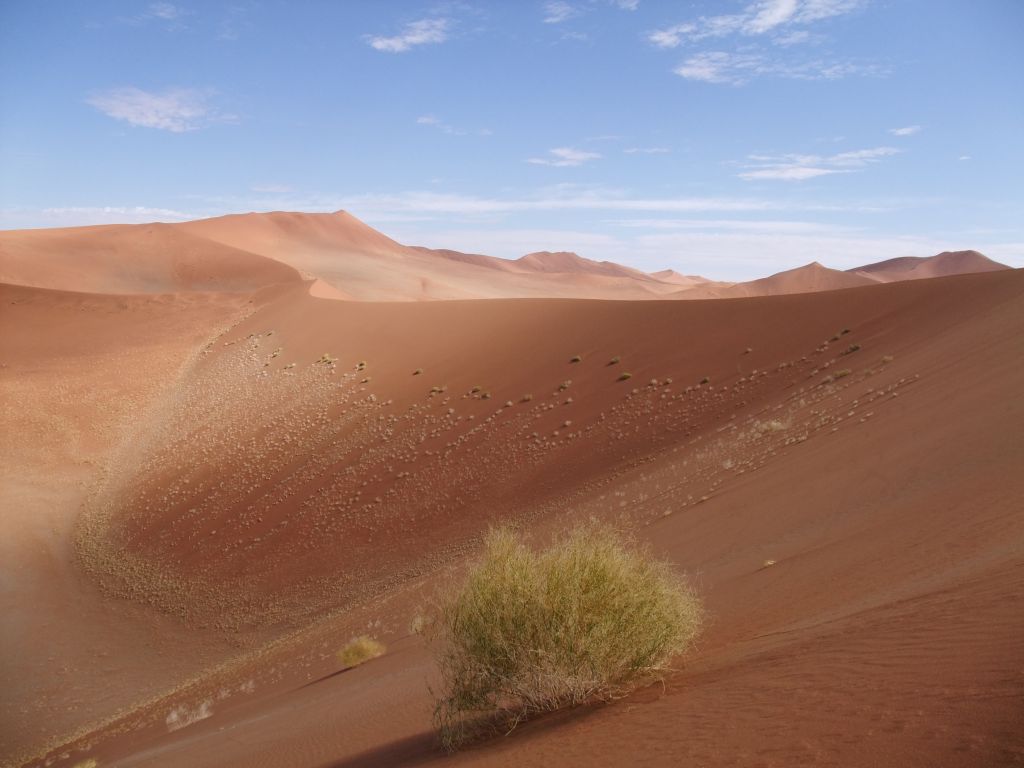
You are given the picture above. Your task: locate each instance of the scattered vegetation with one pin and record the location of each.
(888, 359)
(359, 650)
(841, 373)
(565, 385)
(528, 632)
(850, 349)
(576, 359)
(705, 380)
(526, 398)
(614, 360)
(418, 372)
(625, 376)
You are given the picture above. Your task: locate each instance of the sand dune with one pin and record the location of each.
(279, 489)
(940, 265)
(222, 462)
(146, 258)
(366, 265)
(354, 261)
(806, 279)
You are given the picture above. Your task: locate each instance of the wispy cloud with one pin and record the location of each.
(422, 32)
(760, 18)
(451, 130)
(647, 151)
(272, 189)
(785, 23)
(909, 130)
(176, 109)
(627, 5)
(84, 215)
(165, 11)
(794, 167)
(557, 11)
(723, 67)
(562, 157)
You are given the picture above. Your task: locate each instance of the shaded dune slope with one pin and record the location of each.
(147, 258)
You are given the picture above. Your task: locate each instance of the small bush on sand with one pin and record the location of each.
(625, 377)
(359, 650)
(528, 632)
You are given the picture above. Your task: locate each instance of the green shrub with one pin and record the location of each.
(588, 618)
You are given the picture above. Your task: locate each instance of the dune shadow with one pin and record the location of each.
(424, 748)
(419, 749)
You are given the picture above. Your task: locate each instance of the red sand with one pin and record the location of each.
(212, 496)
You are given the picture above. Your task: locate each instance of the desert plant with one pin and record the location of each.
(576, 359)
(614, 360)
(528, 632)
(705, 380)
(360, 649)
(625, 376)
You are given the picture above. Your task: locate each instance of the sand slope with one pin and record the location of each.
(918, 268)
(145, 258)
(806, 279)
(878, 470)
(351, 260)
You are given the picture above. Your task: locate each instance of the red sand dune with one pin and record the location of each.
(806, 279)
(917, 268)
(215, 491)
(145, 258)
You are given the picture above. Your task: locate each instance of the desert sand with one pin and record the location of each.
(231, 445)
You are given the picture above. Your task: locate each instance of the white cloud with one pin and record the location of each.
(627, 5)
(794, 167)
(647, 151)
(444, 127)
(722, 67)
(760, 18)
(176, 109)
(80, 216)
(671, 37)
(909, 130)
(741, 225)
(964, 157)
(165, 11)
(563, 157)
(557, 11)
(422, 32)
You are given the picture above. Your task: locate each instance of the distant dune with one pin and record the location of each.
(351, 260)
(918, 268)
(144, 258)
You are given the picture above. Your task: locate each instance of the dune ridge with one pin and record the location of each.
(351, 260)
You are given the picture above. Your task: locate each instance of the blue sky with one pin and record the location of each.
(730, 139)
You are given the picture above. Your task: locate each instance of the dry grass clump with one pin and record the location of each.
(625, 377)
(529, 632)
(360, 649)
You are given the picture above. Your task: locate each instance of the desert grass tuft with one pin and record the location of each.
(589, 618)
(359, 650)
